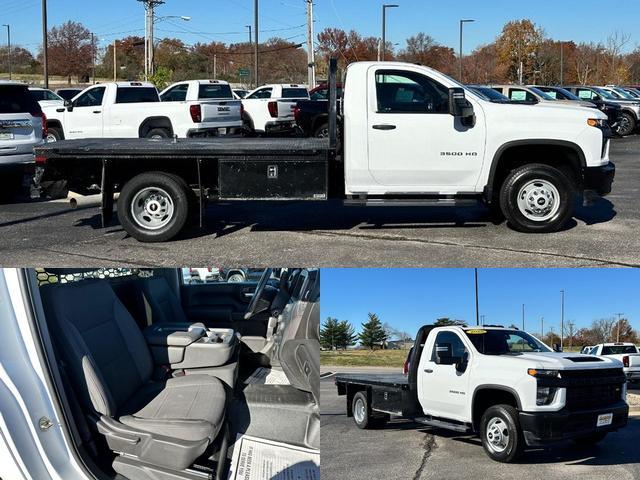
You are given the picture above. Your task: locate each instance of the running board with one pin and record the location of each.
(456, 427)
(412, 202)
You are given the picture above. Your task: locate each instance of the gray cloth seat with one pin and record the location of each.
(111, 369)
(157, 302)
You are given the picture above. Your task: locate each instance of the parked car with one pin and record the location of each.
(129, 110)
(312, 116)
(22, 127)
(502, 384)
(46, 98)
(269, 109)
(218, 106)
(68, 93)
(491, 94)
(619, 92)
(203, 275)
(240, 93)
(627, 353)
(531, 94)
(133, 374)
(630, 115)
(610, 109)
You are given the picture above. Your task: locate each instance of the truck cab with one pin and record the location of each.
(501, 383)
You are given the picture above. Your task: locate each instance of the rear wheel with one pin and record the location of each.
(54, 134)
(153, 207)
(626, 124)
(500, 433)
(537, 198)
(362, 414)
(158, 133)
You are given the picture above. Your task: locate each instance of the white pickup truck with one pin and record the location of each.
(627, 353)
(219, 105)
(412, 137)
(501, 383)
(128, 110)
(269, 109)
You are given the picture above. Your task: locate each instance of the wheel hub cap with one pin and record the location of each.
(539, 200)
(152, 208)
(359, 411)
(497, 434)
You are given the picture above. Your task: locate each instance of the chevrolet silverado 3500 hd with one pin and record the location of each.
(501, 383)
(412, 136)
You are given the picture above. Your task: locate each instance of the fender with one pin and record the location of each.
(154, 122)
(490, 386)
(488, 189)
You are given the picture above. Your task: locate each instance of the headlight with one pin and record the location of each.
(534, 372)
(597, 122)
(545, 395)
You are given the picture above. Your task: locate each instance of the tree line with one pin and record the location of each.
(522, 50)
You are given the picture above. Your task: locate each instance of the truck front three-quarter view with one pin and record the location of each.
(411, 137)
(499, 383)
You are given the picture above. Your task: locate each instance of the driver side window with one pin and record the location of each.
(400, 91)
(91, 98)
(210, 275)
(457, 346)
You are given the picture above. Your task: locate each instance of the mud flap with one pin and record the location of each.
(107, 194)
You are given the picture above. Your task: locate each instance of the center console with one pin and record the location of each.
(194, 348)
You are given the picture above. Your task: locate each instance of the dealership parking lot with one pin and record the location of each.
(404, 449)
(329, 234)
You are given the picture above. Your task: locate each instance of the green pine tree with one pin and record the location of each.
(372, 332)
(346, 335)
(330, 333)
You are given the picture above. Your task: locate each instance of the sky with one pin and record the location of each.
(225, 20)
(410, 298)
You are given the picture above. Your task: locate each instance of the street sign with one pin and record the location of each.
(243, 72)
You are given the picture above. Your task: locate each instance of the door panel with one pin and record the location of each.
(414, 142)
(86, 118)
(212, 303)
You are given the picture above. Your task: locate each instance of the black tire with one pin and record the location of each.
(158, 133)
(364, 421)
(527, 174)
(626, 124)
(509, 427)
(322, 131)
(54, 134)
(590, 439)
(174, 188)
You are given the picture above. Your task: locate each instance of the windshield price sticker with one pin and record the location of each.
(476, 332)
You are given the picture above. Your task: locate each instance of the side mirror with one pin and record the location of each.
(69, 105)
(460, 107)
(461, 365)
(556, 348)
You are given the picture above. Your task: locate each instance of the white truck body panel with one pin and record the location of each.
(633, 370)
(432, 153)
(444, 392)
(256, 107)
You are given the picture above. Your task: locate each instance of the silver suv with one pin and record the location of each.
(22, 127)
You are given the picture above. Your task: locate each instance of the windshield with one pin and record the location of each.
(605, 94)
(44, 95)
(541, 93)
(559, 93)
(504, 342)
(624, 94)
(618, 349)
(488, 93)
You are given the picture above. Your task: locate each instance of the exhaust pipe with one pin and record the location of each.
(83, 201)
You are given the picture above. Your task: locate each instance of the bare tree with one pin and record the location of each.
(615, 44)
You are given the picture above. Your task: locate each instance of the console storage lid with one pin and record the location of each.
(173, 335)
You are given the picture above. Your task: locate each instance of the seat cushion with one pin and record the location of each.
(191, 408)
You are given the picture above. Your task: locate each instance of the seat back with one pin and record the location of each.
(103, 348)
(157, 302)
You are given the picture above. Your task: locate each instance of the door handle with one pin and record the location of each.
(428, 370)
(384, 127)
(96, 111)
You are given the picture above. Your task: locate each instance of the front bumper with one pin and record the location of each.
(274, 127)
(542, 428)
(599, 179)
(632, 375)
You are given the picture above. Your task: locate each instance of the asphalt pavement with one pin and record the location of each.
(328, 234)
(406, 450)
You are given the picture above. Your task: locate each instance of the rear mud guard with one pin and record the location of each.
(107, 194)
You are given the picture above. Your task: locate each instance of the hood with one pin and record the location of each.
(551, 108)
(564, 361)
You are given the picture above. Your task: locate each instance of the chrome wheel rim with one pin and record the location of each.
(324, 133)
(152, 208)
(497, 435)
(51, 138)
(359, 411)
(624, 124)
(539, 200)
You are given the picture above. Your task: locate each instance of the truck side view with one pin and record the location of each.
(133, 110)
(501, 384)
(269, 109)
(412, 137)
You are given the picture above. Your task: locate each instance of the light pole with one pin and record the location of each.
(561, 318)
(477, 310)
(523, 317)
(256, 75)
(384, 27)
(45, 46)
(152, 19)
(8, 47)
(618, 325)
(462, 22)
(93, 58)
(561, 63)
(311, 61)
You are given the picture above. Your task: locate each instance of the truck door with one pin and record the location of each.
(414, 143)
(443, 389)
(85, 119)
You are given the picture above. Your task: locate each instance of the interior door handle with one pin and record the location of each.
(247, 294)
(428, 370)
(384, 127)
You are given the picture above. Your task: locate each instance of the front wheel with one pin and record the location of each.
(626, 124)
(500, 433)
(153, 207)
(537, 198)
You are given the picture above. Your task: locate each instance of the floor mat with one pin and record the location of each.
(267, 376)
(259, 459)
